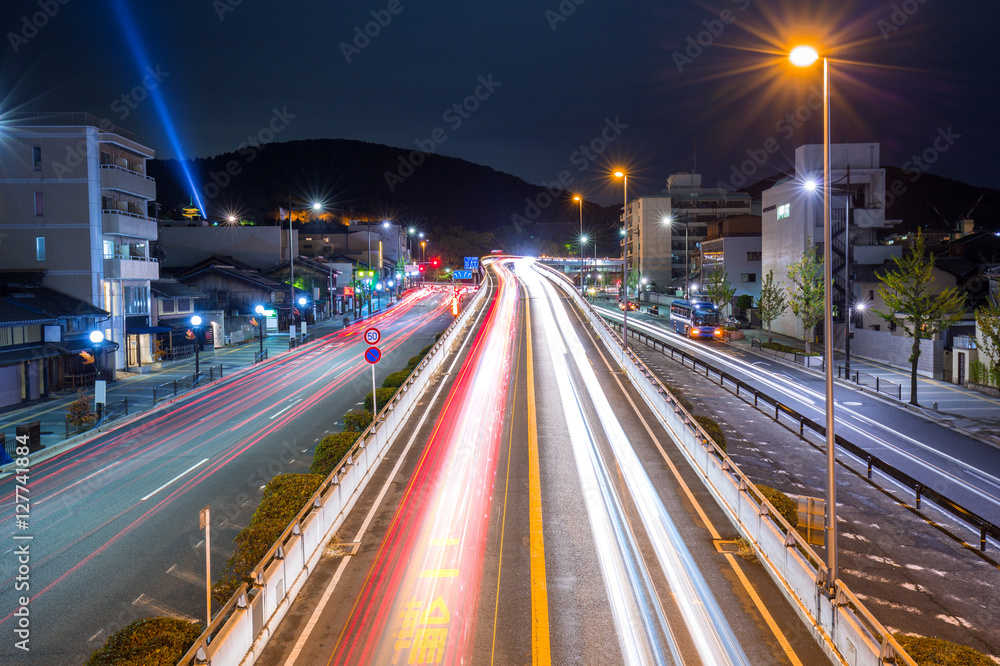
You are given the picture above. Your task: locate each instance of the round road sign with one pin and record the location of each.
(372, 336)
(373, 355)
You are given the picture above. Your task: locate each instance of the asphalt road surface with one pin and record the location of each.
(113, 523)
(535, 511)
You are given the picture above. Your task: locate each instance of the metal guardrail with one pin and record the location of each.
(239, 632)
(964, 515)
(841, 623)
(183, 384)
(259, 356)
(880, 384)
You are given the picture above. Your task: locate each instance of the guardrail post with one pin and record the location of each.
(802, 426)
(982, 537)
(877, 387)
(775, 410)
(755, 394)
(869, 468)
(175, 387)
(125, 400)
(918, 488)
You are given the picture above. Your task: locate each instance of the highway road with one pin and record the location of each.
(961, 467)
(535, 511)
(113, 523)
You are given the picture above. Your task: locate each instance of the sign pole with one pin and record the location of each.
(374, 395)
(206, 521)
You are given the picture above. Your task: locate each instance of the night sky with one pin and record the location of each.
(662, 81)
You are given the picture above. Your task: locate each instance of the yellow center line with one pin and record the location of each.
(540, 646)
(747, 585)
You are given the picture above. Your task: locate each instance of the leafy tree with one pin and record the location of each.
(907, 293)
(806, 296)
(719, 289)
(771, 304)
(633, 281)
(988, 323)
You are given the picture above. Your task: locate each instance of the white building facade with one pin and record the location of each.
(792, 220)
(74, 198)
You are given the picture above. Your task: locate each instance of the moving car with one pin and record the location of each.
(632, 305)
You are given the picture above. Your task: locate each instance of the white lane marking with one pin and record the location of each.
(84, 479)
(285, 409)
(161, 609)
(189, 469)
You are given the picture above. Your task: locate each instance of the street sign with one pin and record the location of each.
(462, 275)
(472, 262)
(373, 355)
(372, 336)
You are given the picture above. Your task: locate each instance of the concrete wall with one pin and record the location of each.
(894, 350)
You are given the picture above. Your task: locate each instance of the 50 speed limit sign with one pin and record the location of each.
(372, 336)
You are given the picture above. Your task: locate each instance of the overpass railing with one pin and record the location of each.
(241, 630)
(840, 623)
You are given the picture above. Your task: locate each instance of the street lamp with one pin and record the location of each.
(583, 239)
(804, 56)
(687, 253)
(260, 327)
(583, 242)
(97, 342)
(196, 322)
(624, 177)
(316, 206)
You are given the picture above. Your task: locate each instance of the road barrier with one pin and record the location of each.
(842, 626)
(176, 386)
(239, 632)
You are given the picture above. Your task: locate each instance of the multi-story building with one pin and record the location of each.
(665, 230)
(792, 220)
(733, 244)
(74, 198)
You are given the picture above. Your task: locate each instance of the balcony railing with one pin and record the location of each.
(134, 173)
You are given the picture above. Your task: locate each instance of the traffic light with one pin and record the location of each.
(435, 262)
(421, 268)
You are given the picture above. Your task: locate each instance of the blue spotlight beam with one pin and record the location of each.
(128, 26)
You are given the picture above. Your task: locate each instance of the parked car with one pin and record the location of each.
(737, 321)
(632, 305)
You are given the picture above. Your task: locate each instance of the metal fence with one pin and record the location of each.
(880, 384)
(175, 386)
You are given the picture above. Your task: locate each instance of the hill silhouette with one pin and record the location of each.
(368, 180)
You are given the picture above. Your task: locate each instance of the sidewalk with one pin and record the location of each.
(976, 413)
(137, 388)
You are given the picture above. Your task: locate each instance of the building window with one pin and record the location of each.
(136, 301)
(184, 305)
(167, 306)
(36, 158)
(222, 298)
(40, 248)
(753, 256)
(784, 210)
(749, 277)
(39, 205)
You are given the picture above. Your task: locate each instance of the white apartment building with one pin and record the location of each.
(665, 252)
(74, 198)
(792, 219)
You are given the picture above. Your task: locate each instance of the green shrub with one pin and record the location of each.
(414, 361)
(977, 372)
(713, 430)
(284, 496)
(784, 504)
(331, 451)
(151, 641)
(744, 301)
(357, 420)
(384, 396)
(679, 394)
(778, 347)
(939, 652)
(396, 379)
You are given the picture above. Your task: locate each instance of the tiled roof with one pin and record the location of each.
(12, 314)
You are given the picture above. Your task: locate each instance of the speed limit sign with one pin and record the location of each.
(372, 336)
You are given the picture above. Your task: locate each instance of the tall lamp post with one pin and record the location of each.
(291, 260)
(583, 282)
(583, 239)
(260, 327)
(624, 177)
(804, 56)
(687, 254)
(196, 322)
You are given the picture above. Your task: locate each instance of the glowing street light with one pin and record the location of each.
(196, 323)
(260, 328)
(804, 56)
(624, 177)
(583, 239)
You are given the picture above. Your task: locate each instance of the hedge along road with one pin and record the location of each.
(115, 521)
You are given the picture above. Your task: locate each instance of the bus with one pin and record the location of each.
(696, 319)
